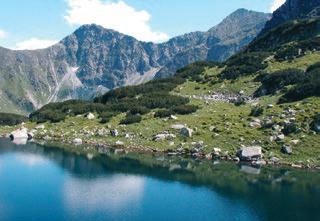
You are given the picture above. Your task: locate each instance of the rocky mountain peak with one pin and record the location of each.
(293, 9)
(94, 59)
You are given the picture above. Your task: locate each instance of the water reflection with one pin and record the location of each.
(107, 194)
(113, 184)
(20, 141)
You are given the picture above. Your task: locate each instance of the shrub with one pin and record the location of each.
(131, 119)
(106, 117)
(48, 115)
(244, 64)
(307, 87)
(185, 109)
(7, 119)
(163, 113)
(139, 110)
(271, 83)
(256, 111)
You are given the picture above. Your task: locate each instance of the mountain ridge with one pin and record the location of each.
(94, 60)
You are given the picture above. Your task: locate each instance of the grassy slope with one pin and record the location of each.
(231, 122)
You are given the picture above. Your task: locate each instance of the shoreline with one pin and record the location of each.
(93, 149)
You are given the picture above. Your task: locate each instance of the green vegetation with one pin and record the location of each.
(140, 99)
(131, 119)
(7, 119)
(244, 64)
(278, 103)
(307, 87)
(272, 83)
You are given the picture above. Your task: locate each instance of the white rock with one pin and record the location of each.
(77, 141)
(21, 133)
(256, 123)
(295, 142)
(280, 137)
(177, 126)
(90, 116)
(173, 117)
(270, 106)
(119, 143)
(250, 153)
(40, 127)
(161, 137)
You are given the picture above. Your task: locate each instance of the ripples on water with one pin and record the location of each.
(38, 183)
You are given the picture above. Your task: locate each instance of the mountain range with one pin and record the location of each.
(94, 60)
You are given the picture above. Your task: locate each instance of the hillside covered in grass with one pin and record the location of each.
(267, 96)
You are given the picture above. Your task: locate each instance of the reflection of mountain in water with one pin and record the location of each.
(278, 193)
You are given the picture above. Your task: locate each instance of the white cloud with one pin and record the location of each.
(34, 43)
(31, 159)
(276, 4)
(3, 34)
(114, 15)
(108, 194)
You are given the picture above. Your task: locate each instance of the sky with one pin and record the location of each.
(33, 24)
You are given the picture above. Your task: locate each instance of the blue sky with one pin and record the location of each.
(39, 23)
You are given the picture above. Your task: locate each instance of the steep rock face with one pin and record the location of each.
(293, 9)
(93, 60)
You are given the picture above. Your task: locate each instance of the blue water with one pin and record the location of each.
(38, 183)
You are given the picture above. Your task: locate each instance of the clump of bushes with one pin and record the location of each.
(7, 119)
(131, 119)
(271, 83)
(139, 110)
(106, 117)
(194, 71)
(184, 109)
(244, 64)
(163, 113)
(307, 87)
(256, 111)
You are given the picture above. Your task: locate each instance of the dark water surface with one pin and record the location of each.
(38, 183)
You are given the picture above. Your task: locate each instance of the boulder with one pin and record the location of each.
(114, 133)
(21, 133)
(316, 123)
(177, 126)
(250, 153)
(274, 160)
(295, 142)
(187, 132)
(77, 141)
(172, 117)
(40, 127)
(286, 149)
(119, 143)
(280, 137)
(269, 106)
(256, 123)
(90, 116)
(164, 136)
